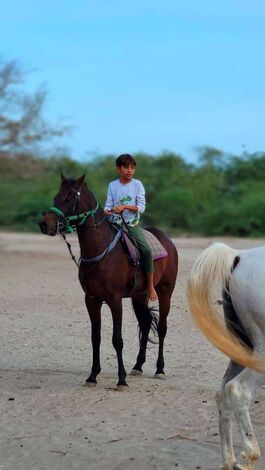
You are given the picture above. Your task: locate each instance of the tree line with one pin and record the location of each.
(222, 194)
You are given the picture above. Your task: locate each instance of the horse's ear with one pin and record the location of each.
(80, 180)
(62, 177)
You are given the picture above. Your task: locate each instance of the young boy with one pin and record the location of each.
(126, 195)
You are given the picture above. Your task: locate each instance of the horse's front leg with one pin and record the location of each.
(94, 310)
(115, 305)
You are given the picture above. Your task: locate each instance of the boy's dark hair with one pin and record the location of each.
(125, 159)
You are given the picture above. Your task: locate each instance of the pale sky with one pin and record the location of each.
(147, 75)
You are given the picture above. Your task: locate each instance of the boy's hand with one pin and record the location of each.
(119, 209)
(107, 212)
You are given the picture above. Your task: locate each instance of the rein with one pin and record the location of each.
(70, 224)
(70, 250)
(95, 259)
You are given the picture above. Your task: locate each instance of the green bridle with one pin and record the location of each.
(73, 222)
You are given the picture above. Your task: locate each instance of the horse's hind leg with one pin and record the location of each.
(225, 415)
(239, 392)
(94, 311)
(233, 400)
(164, 295)
(144, 318)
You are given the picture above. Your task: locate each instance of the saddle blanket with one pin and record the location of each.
(158, 250)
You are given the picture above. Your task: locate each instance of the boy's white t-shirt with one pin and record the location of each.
(132, 193)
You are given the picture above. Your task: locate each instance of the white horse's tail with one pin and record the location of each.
(215, 265)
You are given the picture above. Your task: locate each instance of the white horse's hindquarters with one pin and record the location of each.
(247, 290)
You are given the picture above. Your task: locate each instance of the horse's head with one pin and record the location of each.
(73, 204)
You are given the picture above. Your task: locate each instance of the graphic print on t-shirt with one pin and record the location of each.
(117, 219)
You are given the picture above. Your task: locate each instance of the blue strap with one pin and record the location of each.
(98, 258)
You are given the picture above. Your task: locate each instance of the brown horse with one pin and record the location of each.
(106, 274)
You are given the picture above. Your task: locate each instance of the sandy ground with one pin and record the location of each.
(50, 421)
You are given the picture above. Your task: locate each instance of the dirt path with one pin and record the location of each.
(49, 421)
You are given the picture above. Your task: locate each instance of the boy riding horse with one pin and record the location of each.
(126, 196)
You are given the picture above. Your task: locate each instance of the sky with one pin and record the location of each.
(147, 75)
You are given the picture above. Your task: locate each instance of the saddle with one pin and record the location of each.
(132, 251)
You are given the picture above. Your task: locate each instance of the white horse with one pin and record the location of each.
(241, 276)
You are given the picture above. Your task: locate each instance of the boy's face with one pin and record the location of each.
(126, 172)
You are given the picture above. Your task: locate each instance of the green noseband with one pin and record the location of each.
(73, 222)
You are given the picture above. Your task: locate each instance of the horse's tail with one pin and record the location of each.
(153, 312)
(215, 264)
(147, 318)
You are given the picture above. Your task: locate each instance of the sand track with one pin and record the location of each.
(50, 421)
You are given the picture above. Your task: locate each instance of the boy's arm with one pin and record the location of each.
(140, 198)
(122, 207)
(109, 202)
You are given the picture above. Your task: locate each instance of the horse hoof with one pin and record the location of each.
(122, 388)
(160, 376)
(89, 384)
(136, 372)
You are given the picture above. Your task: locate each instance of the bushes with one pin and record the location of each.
(221, 196)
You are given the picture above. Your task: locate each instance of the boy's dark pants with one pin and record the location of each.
(145, 250)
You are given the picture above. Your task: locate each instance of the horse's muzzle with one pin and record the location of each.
(45, 229)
